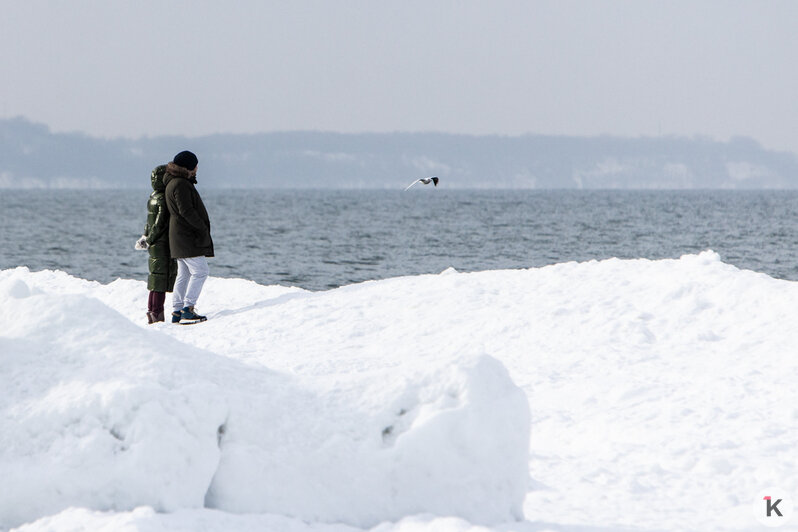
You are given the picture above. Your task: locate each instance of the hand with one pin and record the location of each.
(141, 243)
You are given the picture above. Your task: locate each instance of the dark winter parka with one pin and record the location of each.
(163, 268)
(189, 226)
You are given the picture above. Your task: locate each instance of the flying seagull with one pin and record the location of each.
(425, 181)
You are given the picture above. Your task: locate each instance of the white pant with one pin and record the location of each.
(191, 275)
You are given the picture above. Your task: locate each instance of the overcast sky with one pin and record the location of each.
(717, 68)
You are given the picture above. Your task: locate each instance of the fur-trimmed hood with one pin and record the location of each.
(174, 171)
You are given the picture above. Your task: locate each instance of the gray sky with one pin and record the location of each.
(717, 68)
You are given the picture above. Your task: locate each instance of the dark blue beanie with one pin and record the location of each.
(186, 159)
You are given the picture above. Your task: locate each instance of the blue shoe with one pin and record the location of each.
(176, 316)
(188, 314)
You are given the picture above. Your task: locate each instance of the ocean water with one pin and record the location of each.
(323, 239)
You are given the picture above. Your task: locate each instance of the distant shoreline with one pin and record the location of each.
(35, 156)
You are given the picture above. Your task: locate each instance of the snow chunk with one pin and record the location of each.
(705, 258)
(95, 414)
(15, 289)
(450, 441)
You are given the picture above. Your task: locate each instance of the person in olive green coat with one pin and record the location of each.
(163, 268)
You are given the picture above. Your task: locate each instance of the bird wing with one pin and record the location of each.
(413, 183)
(435, 181)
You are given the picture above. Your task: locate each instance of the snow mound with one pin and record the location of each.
(97, 412)
(662, 397)
(434, 446)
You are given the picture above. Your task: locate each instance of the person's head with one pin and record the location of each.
(156, 178)
(187, 160)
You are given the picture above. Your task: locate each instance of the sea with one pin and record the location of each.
(323, 239)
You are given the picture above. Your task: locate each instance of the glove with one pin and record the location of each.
(141, 243)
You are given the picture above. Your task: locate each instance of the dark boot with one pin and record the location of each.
(188, 314)
(150, 318)
(157, 316)
(176, 316)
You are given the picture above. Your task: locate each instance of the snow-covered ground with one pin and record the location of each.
(598, 396)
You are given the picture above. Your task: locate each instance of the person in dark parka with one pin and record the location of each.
(190, 239)
(162, 267)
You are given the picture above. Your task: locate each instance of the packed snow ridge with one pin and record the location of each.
(403, 404)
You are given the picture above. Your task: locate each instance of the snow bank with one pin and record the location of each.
(662, 397)
(98, 413)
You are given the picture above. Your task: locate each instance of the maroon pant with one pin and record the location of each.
(155, 301)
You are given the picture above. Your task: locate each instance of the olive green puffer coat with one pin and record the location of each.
(163, 268)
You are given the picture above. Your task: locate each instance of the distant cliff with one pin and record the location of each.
(32, 156)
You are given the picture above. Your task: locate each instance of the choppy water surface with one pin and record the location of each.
(324, 239)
